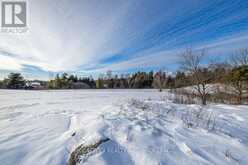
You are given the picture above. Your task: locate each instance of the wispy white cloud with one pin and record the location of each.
(154, 59)
(8, 63)
(65, 34)
(75, 35)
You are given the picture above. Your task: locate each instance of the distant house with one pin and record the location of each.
(34, 85)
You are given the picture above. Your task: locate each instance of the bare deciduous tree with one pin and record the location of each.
(240, 57)
(192, 64)
(159, 80)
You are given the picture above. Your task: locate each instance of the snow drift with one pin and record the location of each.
(142, 127)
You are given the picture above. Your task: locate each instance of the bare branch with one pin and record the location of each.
(192, 63)
(240, 57)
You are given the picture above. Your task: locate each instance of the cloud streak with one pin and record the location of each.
(97, 35)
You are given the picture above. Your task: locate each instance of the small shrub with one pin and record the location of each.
(199, 118)
(182, 96)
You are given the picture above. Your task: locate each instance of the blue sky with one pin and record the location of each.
(89, 37)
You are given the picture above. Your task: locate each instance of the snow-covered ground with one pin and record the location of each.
(144, 128)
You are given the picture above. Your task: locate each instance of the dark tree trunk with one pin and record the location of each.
(204, 100)
(240, 97)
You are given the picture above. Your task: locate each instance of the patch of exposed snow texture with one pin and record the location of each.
(144, 127)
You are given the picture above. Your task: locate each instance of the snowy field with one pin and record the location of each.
(144, 127)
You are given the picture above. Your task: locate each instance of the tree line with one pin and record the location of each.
(193, 71)
(232, 75)
(66, 81)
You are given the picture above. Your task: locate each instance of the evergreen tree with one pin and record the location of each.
(238, 78)
(15, 81)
